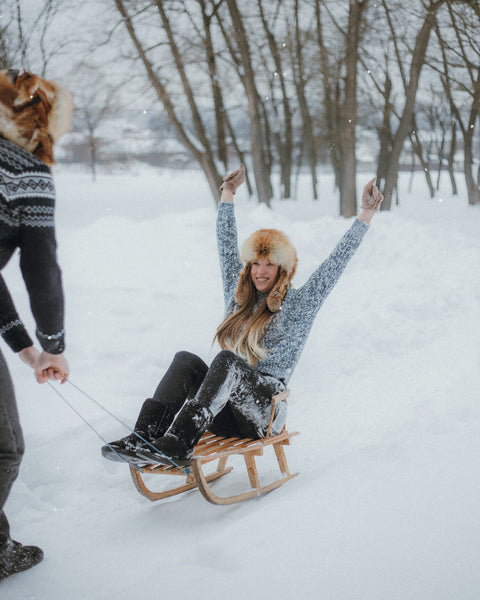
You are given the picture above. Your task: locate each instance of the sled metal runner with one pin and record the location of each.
(212, 448)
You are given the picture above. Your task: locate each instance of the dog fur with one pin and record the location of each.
(34, 112)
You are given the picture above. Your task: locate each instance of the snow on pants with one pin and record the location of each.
(11, 444)
(229, 398)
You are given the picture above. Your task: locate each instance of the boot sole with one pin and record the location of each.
(142, 458)
(123, 456)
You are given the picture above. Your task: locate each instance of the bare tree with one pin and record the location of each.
(258, 133)
(400, 110)
(432, 135)
(419, 150)
(217, 94)
(411, 87)
(276, 83)
(223, 124)
(301, 81)
(198, 144)
(340, 83)
(385, 132)
(463, 89)
(7, 44)
(37, 34)
(95, 101)
(283, 134)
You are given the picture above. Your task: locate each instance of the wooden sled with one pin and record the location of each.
(215, 448)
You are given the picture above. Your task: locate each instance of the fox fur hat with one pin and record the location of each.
(277, 247)
(34, 112)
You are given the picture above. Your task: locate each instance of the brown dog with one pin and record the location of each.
(34, 112)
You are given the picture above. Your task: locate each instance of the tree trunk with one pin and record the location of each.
(418, 149)
(260, 164)
(93, 156)
(385, 135)
(468, 128)
(348, 191)
(284, 141)
(308, 135)
(219, 106)
(203, 156)
(241, 156)
(342, 111)
(472, 187)
(441, 158)
(472, 183)
(404, 127)
(451, 157)
(331, 98)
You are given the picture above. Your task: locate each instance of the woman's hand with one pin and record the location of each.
(231, 183)
(29, 356)
(51, 366)
(371, 201)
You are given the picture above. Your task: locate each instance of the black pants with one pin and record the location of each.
(237, 395)
(11, 444)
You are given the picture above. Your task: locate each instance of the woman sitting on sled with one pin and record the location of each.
(262, 336)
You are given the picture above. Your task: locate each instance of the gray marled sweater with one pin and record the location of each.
(289, 328)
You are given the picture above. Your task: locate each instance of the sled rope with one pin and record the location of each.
(99, 405)
(156, 451)
(89, 425)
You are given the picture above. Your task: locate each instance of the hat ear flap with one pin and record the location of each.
(60, 116)
(43, 146)
(243, 286)
(276, 296)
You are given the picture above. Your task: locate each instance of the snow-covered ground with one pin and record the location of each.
(386, 397)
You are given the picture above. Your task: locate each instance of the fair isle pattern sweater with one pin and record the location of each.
(27, 199)
(288, 329)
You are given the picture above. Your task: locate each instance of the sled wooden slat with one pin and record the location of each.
(211, 448)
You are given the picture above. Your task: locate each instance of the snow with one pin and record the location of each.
(385, 397)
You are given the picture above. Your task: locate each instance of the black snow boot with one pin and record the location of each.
(15, 558)
(153, 421)
(177, 445)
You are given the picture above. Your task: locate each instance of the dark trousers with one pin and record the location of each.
(237, 397)
(11, 444)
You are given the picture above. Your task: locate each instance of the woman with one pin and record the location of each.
(262, 336)
(34, 113)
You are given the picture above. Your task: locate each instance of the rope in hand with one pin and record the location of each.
(155, 450)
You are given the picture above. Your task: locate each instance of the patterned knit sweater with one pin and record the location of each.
(288, 330)
(27, 198)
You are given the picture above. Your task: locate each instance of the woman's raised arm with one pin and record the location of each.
(227, 243)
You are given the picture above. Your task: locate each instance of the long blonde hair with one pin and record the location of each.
(242, 331)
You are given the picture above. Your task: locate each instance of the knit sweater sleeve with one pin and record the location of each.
(42, 275)
(230, 263)
(12, 329)
(324, 278)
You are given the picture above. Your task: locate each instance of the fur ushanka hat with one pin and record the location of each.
(276, 246)
(34, 112)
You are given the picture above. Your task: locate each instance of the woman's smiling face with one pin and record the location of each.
(264, 274)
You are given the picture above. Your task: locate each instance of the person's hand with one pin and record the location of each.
(29, 356)
(51, 366)
(233, 180)
(371, 197)
(371, 200)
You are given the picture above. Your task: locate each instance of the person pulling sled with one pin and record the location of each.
(34, 113)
